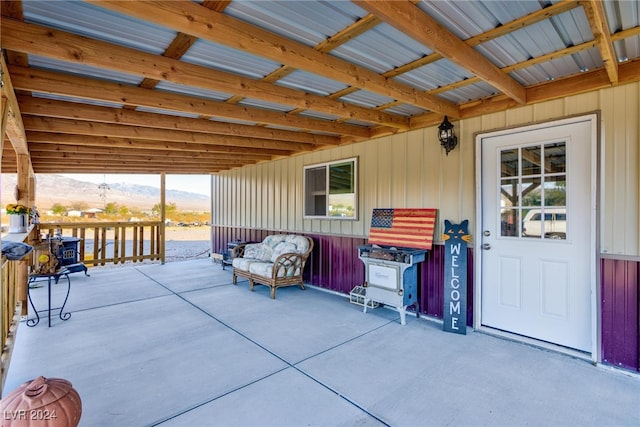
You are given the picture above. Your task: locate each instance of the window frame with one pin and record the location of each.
(327, 187)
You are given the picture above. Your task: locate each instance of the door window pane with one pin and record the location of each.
(555, 191)
(509, 162)
(509, 193)
(555, 157)
(533, 192)
(509, 222)
(531, 160)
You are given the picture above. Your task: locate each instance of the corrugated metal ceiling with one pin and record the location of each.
(337, 99)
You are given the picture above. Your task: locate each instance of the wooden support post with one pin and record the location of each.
(22, 191)
(163, 216)
(4, 110)
(31, 188)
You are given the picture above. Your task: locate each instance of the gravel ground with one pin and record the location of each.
(181, 244)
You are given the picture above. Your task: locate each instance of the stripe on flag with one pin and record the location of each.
(407, 228)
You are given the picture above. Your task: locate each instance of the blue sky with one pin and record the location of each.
(200, 184)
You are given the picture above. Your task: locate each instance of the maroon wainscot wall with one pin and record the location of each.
(620, 305)
(334, 265)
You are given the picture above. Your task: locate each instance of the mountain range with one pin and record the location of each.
(51, 189)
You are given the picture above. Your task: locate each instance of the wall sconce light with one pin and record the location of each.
(447, 138)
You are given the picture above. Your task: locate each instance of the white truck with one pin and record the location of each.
(554, 225)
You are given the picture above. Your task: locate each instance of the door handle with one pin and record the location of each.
(486, 246)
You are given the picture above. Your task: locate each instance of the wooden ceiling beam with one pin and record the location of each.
(75, 127)
(584, 82)
(99, 158)
(522, 65)
(126, 143)
(51, 82)
(594, 9)
(72, 110)
(120, 169)
(38, 149)
(128, 166)
(627, 73)
(12, 118)
(64, 46)
(180, 45)
(519, 23)
(409, 19)
(13, 9)
(191, 18)
(359, 27)
(349, 33)
(509, 27)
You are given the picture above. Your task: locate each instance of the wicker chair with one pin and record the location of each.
(277, 261)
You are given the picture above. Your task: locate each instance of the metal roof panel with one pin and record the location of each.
(303, 21)
(93, 21)
(318, 115)
(265, 105)
(366, 99)
(622, 15)
(469, 93)
(466, 19)
(192, 91)
(167, 112)
(311, 83)
(405, 110)
(218, 57)
(434, 75)
(83, 70)
(76, 100)
(381, 49)
(230, 120)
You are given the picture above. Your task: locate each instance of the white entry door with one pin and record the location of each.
(537, 226)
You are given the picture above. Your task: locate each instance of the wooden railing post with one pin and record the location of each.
(163, 216)
(114, 242)
(22, 280)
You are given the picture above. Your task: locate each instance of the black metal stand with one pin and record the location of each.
(226, 255)
(49, 276)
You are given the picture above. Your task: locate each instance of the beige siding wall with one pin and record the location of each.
(411, 170)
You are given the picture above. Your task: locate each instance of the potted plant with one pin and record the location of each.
(17, 218)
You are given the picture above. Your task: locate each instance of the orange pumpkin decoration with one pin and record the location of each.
(44, 402)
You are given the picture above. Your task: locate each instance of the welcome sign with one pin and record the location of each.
(456, 237)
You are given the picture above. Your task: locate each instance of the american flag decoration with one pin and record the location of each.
(406, 228)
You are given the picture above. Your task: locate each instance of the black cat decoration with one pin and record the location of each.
(456, 231)
(454, 314)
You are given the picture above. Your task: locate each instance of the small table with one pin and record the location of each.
(63, 272)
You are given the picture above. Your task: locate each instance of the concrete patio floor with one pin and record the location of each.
(179, 345)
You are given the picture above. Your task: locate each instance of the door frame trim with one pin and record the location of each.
(595, 123)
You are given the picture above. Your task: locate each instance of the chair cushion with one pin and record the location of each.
(258, 251)
(259, 257)
(243, 263)
(301, 242)
(283, 248)
(265, 269)
(273, 239)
